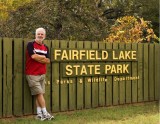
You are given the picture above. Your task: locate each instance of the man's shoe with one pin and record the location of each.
(47, 116)
(39, 116)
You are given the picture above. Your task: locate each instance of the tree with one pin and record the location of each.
(66, 19)
(7, 6)
(131, 29)
(147, 9)
(74, 20)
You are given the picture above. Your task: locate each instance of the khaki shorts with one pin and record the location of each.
(36, 84)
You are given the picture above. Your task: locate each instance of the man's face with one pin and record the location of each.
(40, 36)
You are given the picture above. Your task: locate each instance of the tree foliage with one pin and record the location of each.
(71, 19)
(131, 29)
(147, 9)
(7, 6)
(74, 20)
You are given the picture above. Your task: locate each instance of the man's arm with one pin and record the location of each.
(46, 61)
(40, 58)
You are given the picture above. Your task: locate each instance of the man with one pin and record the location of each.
(37, 56)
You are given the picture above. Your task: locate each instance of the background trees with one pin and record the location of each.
(72, 20)
(7, 6)
(131, 29)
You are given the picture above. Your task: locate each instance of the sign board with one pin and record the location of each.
(93, 62)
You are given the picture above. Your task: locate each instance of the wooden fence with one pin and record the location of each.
(15, 98)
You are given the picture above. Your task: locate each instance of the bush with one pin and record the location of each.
(131, 29)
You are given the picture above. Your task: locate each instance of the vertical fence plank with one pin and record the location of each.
(17, 80)
(80, 84)
(55, 82)
(94, 85)
(1, 77)
(87, 93)
(7, 77)
(102, 83)
(157, 71)
(121, 83)
(140, 72)
(109, 84)
(115, 83)
(72, 86)
(151, 72)
(146, 67)
(64, 86)
(27, 98)
(134, 74)
(128, 82)
(47, 95)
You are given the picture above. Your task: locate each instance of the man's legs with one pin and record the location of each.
(40, 103)
(37, 87)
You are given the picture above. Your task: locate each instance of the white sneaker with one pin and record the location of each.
(47, 116)
(39, 116)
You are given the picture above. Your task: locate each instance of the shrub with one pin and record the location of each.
(131, 29)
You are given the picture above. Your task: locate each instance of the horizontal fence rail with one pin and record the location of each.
(72, 93)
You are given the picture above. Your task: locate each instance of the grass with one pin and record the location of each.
(142, 113)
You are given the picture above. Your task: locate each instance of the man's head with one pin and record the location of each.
(40, 34)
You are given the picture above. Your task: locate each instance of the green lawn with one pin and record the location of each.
(142, 113)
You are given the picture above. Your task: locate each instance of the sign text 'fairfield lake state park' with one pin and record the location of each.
(93, 63)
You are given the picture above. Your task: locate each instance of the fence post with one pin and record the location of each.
(109, 83)
(27, 98)
(151, 72)
(134, 74)
(55, 84)
(129, 82)
(140, 72)
(87, 85)
(102, 85)
(115, 83)
(80, 83)
(1, 77)
(7, 77)
(18, 74)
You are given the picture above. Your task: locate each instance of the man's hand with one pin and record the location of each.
(45, 61)
(40, 58)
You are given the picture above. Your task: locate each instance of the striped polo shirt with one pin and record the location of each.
(33, 67)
